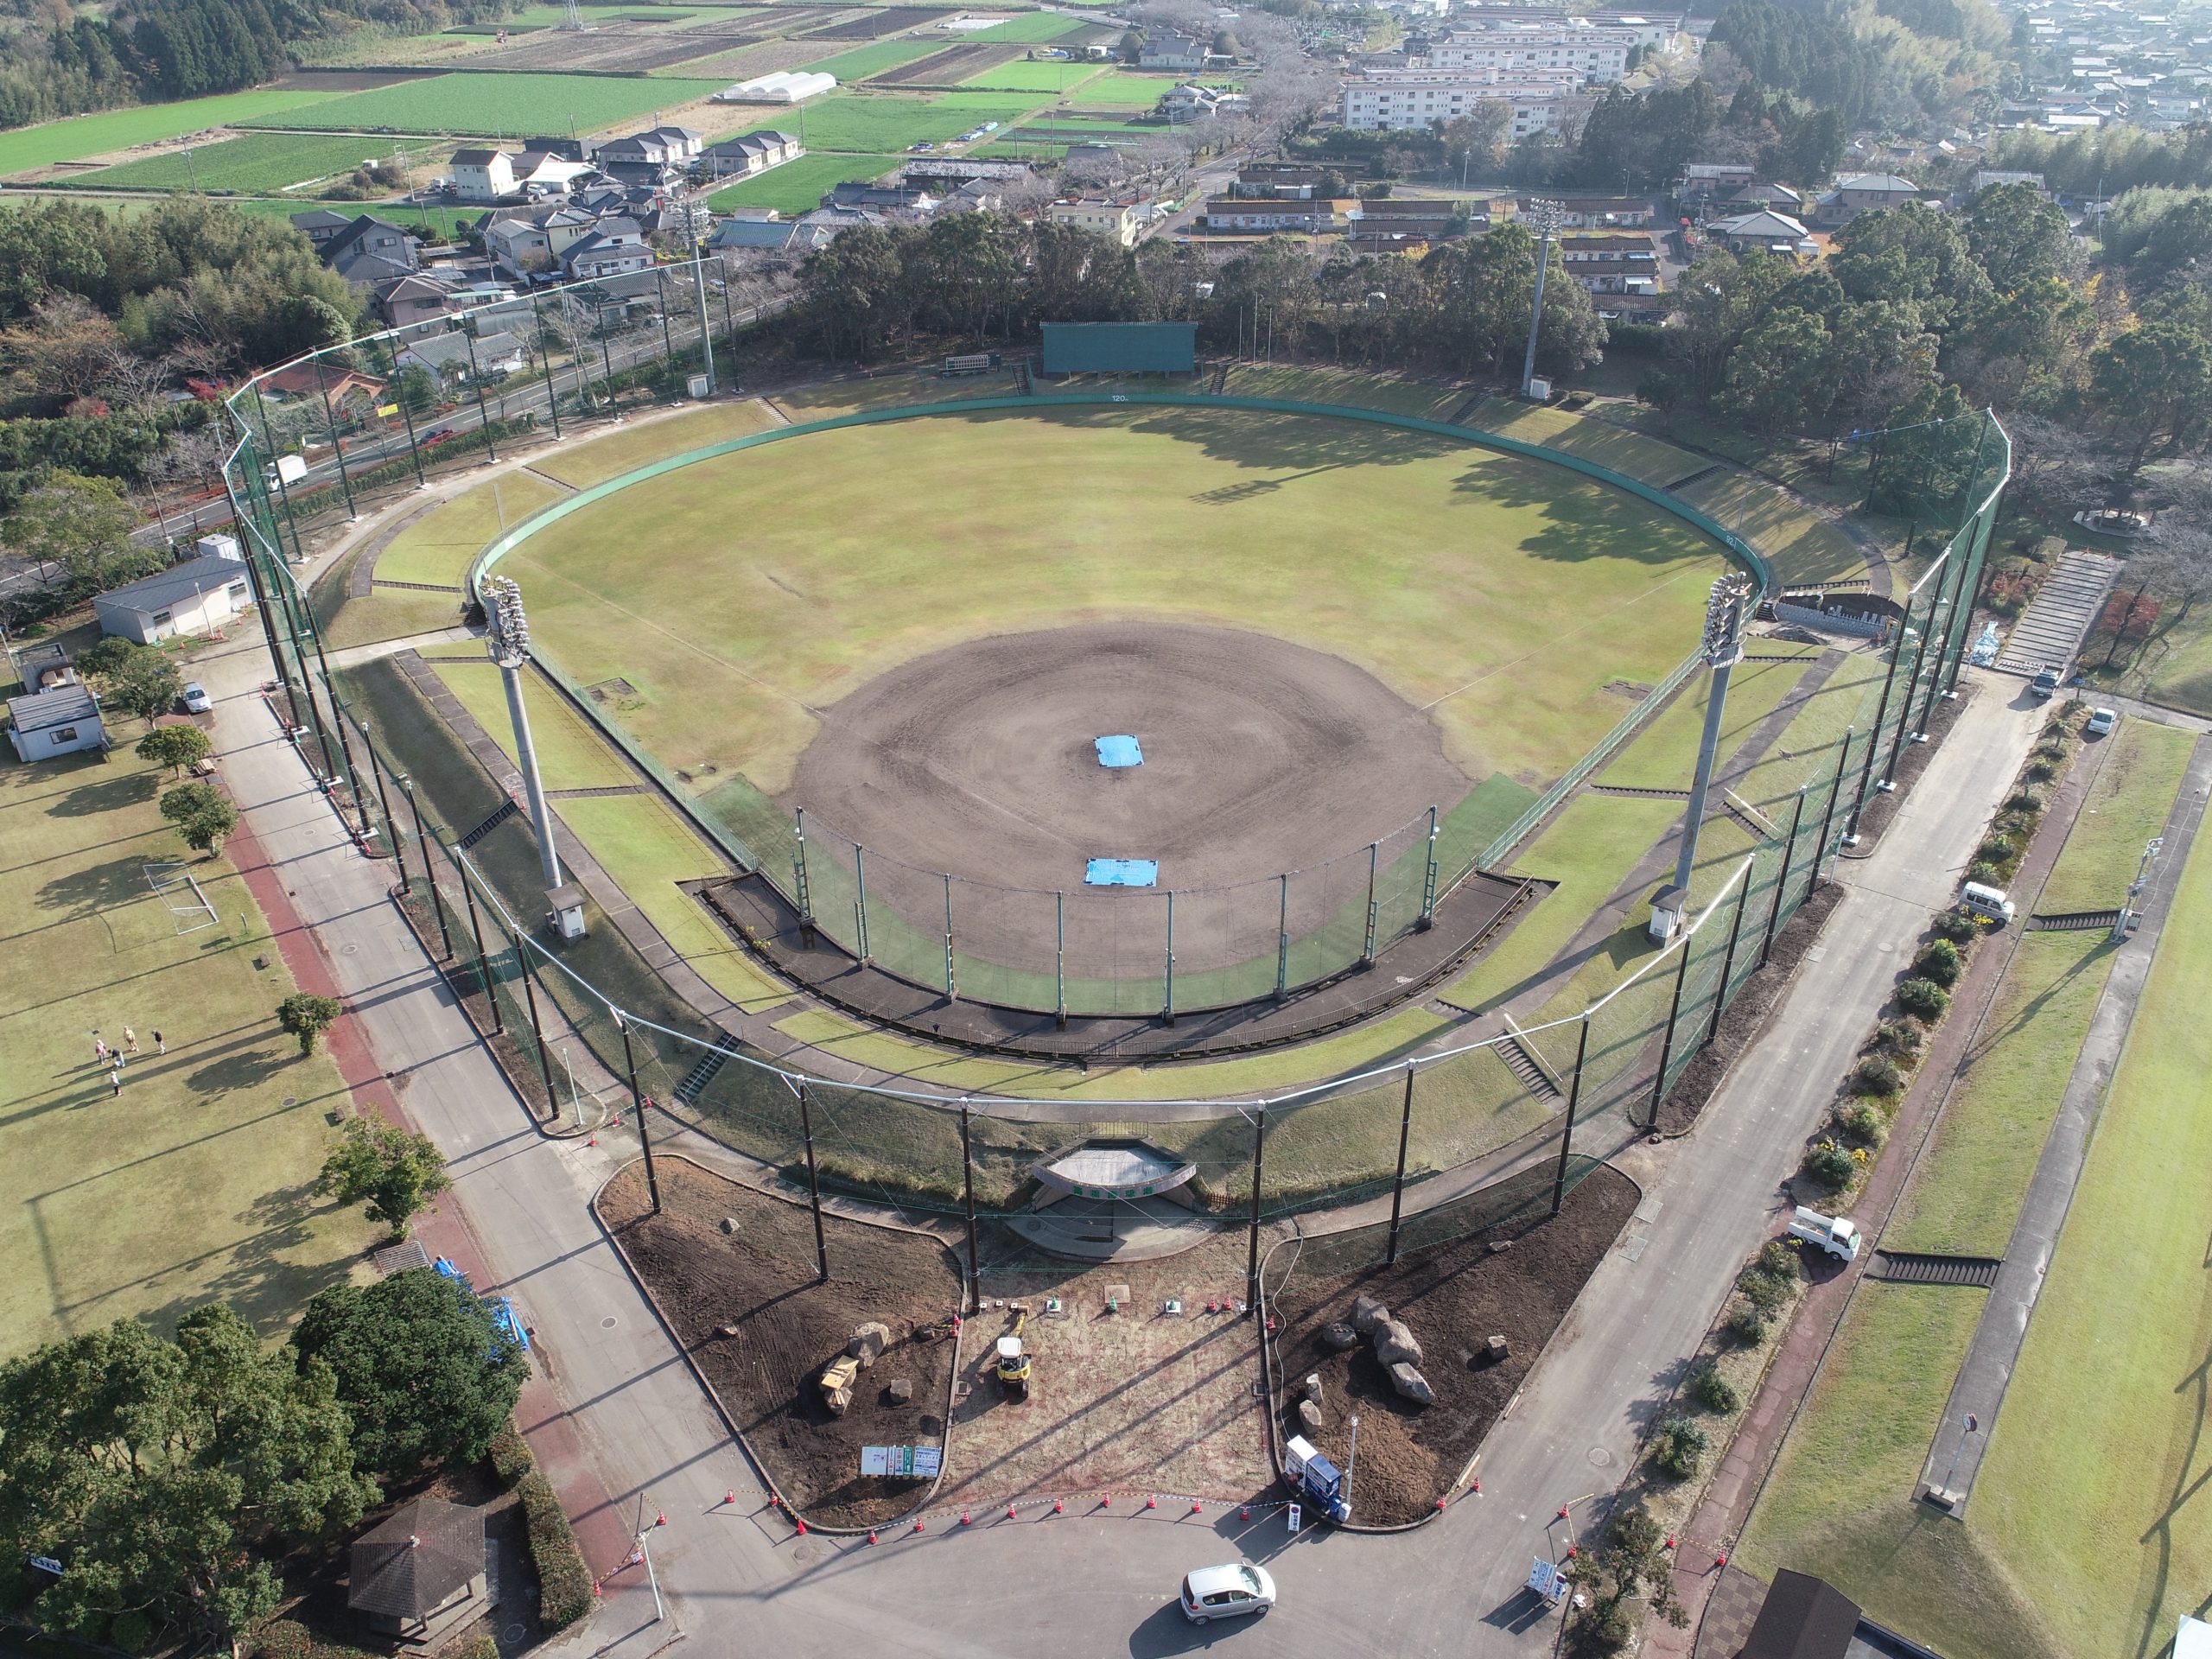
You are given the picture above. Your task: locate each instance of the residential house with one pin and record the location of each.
(658, 158)
(62, 721)
(944, 173)
(1183, 53)
(1704, 183)
(345, 390)
(448, 357)
(1612, 261)
(1751, 198)
(370, 251)
(1390, 100)
(773, 234)
(1240, 213)
(749, 152)
(319, 225)
(539, 174)
(902, 199)
(1766, 233)
(614, 245)
(1195, 103)
(481, 173)
(1598, 212)
(196, 596)
(1861, 193)
(421, 297)
(1100, 215)
(1294, 180)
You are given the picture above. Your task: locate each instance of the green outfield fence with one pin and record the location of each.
(412, 792)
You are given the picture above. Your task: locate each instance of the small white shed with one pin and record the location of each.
(62, 720)
(197, 596)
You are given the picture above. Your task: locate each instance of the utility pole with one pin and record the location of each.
(507, 638)
(1545, 216)
(2126, 919)
(1723, 646)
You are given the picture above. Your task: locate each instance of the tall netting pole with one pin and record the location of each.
(1398, 1182)
(1782, 877)
(1574, 1099)
(1252, 1249)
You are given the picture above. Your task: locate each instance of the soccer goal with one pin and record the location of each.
(179, 888)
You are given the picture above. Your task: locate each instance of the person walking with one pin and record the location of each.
(130, 1040)
(115, 1080)
(160, 1047)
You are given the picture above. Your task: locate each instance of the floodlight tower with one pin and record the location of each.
(1723, 648)
(1544, 217)
(507, 638)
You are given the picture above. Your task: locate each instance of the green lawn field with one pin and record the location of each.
(2126, 805)
(1032, 27)
(873, 58)
(1061, 79)
(570, 753)
(193, 1187)
(437, 546)
(2097, 1487)
(259, 164)
(797, 187)
(495, 104)
(1126, 89)
(1473, 570)
(97, 135)
(640, 442)
(880, 123)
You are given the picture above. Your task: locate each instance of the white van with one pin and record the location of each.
(1833, 1234)
(1988, 902)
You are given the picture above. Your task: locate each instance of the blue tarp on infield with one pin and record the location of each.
(1120, 873)
(1118, 750)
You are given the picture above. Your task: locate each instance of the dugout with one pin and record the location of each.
(1121, 349)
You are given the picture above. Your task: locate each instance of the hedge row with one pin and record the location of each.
(564, 1584)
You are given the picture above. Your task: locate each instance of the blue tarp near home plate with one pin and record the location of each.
(1118, 752)
(1120, 873)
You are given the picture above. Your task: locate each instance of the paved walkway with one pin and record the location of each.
(1954, 1458)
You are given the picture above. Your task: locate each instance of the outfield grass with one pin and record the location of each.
(437, 546)
(1664, 756)
(2097, 1487)
(571, 754)
(1839, 1503)
(193, 1187)
(800, 608)
(797, 187)
(881, 124)
(259, 164)
(641, 442)
(648, 848)
(99, 135)
(492, 103)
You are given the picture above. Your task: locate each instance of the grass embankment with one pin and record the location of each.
(192, 1187)
(437, 546)
(2080, 1537)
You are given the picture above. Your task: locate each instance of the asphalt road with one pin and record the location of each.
(734, 1577)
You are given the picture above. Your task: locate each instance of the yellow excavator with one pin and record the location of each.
(1014, 1360)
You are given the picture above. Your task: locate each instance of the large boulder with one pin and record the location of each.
(1396, 1344)
(1366, 1312)
(1411, 1384)
(869, 1342)
(1309, 1416)
(899, 1390)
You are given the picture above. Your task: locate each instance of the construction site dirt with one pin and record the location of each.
(1455, 1298)
(749, 1309)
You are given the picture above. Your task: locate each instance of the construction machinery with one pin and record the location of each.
(1014, 1360)
(838, 1383)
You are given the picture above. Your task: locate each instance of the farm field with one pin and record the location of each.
(1124, 89)
(492, 104)
(1033, 27)
(879, 123)
(1060, 79)
(257, 163)
(81, 135)
(1271, 485)
(797, 187)
(865, 61)
(192, 1186)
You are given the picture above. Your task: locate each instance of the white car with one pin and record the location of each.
(1226, 1591)
(2101, 722)
(195, 699)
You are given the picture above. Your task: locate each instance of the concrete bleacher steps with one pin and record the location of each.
(2060, 616)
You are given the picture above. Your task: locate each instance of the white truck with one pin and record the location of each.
(1834, 1234)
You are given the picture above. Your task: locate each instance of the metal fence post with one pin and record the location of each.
(406, 415)
(1429, 881)
(384, 801)
(1373, 855)
(1282, 935)
(637, 1106)
(337, 453)
(952, 986)
(429, 875)
(805, 894)
(1782, 876)
(860, 900)
(536, 1025)
(1728, 956)
(968, 1191)
(545, 364)
(1827, 818)
(483, 961)
(476, 384)
(1398, 1182)
(1667, 1044)
(1167, 1015)
(1904, 713)
(1873, 742)
(275, 466)
(1252, 1249)
(667, 340)
(814, 1189)
(1567, 1135)
(1060, 959)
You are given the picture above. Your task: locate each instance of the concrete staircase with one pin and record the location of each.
(2059, 618)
